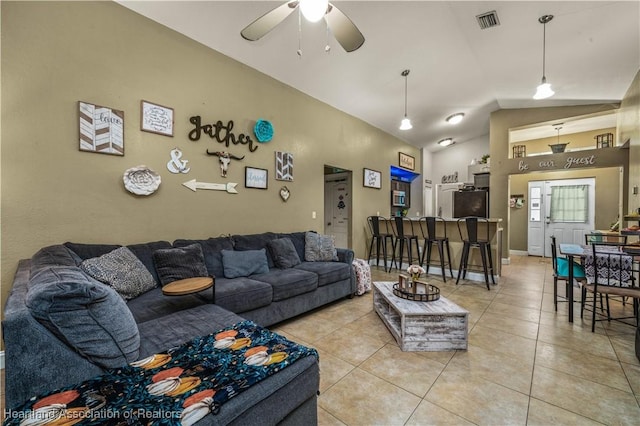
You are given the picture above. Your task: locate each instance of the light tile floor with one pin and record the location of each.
(526, 364)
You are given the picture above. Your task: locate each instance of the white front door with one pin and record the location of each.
(337, 208)
(542, 226)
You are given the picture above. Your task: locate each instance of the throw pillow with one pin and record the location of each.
(319, 248)
(238, 263)
(180, 263)
(283, 253)
(122, 270)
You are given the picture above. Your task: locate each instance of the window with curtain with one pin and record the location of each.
(570, 203)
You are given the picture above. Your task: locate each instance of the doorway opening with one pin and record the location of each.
(338, 205)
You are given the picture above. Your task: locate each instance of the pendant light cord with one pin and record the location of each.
(405, 74)
(544, 50)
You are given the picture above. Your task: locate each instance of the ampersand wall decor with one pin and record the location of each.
(176, 165)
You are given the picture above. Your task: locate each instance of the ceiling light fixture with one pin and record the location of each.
(446, 142)
(455, 118)
(405, 124)
(544, 91)
(314, 10)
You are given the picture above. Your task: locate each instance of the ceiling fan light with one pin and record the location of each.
(445, 142)
(405, 124)
(543, 91)
(313, 10)
(455, 118)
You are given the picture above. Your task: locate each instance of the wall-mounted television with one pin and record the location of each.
(471, 203)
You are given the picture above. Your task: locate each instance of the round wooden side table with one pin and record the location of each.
(189, 286)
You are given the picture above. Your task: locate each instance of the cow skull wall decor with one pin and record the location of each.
(224, 158)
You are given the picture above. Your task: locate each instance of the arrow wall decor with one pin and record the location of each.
(194, 185)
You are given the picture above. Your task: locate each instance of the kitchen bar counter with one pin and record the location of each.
(455, 243)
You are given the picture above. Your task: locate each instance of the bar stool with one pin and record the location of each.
(434, 231)
(469, 237)
(404, 235)
(379, 228)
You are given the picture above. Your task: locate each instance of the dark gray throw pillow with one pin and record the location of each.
(319, 248)
(242, 263)
(180, 263)
(122, 270)
(283, 253)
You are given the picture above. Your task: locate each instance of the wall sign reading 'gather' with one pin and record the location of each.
(220, 132)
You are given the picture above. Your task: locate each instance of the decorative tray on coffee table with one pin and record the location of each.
(430, 293)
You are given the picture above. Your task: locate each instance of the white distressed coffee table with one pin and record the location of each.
(421, 326)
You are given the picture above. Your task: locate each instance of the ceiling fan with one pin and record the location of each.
(345, 32)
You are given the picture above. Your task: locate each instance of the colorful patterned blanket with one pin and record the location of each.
(177, 387)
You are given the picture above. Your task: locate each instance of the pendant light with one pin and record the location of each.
(405, 124)
(544, 91)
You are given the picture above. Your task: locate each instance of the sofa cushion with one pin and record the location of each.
(241, 294)
(88, 251)
(319, 248)
(144, 252)
(283, 253)
(175, 328)
(56, 255)
(212, 250)
(179, 263)
(288, 283)
(122, 270)
(244, 263)
(297, 238)
(154, 304)
(84, 313)
(254, 242)
(328, 272)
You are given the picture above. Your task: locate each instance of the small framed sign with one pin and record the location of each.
(372, 179)
(156, 118)
(101, 129)
(406, 161)
(255, 178)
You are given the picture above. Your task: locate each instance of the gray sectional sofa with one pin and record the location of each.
(62, 326)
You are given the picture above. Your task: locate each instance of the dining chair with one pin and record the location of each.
(610, 272)
(404, 235)
(561, 273)
(471, 238)
(434, 231)
(602, 239)
(381, 235)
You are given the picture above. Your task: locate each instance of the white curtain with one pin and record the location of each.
(570, 203)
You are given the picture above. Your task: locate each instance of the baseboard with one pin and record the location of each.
(519, 252)
(1, 360)
(506, 261)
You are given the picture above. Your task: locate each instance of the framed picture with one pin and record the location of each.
(156, 118)
(101, 129)
(284, 166)
(372, 179)
(406, 161)
(255, 178)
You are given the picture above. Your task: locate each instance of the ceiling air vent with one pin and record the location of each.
(488, 20)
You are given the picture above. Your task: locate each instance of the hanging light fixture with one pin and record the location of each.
(405, 124)
(314, 10)
(544, 91)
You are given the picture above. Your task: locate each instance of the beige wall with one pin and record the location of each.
(501, 165)
(99, 52)
(607, 196)
(581, 140)
(629, 129)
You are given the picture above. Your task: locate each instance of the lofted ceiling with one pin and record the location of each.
(592, 56)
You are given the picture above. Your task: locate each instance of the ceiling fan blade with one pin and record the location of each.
(345, 31)
(261, 26)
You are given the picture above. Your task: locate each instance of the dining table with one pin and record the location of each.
(583, 252)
